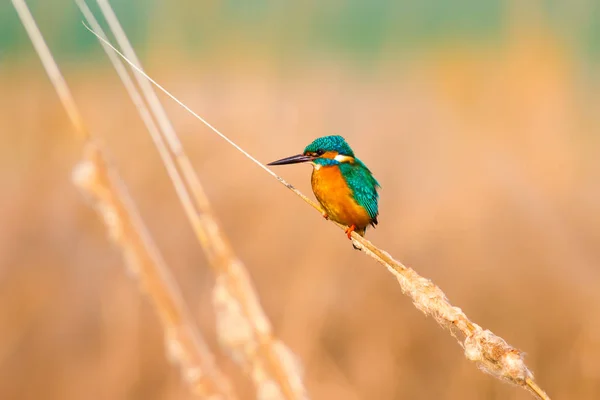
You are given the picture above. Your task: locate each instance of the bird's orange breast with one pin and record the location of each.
(336, 197)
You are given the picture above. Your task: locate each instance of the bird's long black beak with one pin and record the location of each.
(299, 158)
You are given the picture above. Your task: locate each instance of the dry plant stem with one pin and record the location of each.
(492, 354)
(50, 66)
(101, 185)
(242, 325)
(106, 190)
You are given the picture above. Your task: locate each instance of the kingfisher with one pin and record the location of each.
(343, 185)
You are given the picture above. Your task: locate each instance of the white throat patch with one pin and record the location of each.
(343, 159)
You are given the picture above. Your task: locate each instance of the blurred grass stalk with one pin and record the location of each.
(100, 182)
(242, 326)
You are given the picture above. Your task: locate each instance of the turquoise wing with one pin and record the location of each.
(363, 185)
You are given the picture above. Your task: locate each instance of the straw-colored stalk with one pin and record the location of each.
(105, 189)
(490, 352)
(242, 326)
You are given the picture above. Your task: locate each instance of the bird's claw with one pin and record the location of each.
(349, 231)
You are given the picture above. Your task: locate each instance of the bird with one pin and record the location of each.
(343, 185)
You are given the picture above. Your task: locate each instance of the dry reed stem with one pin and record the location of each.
(99, 182)
(102, 185)
(242, 326)
(50, 66)
(490, 352)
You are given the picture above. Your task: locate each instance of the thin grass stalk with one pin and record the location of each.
(100, 182)
(51, 68)
(490, 352)
(243, 328)
(101, 185)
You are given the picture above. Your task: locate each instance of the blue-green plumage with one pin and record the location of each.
(363, 185)
(330, 143)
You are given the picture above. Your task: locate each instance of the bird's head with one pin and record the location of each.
(326, 150)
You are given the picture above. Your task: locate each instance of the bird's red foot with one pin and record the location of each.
(349, 231)
(325, 215)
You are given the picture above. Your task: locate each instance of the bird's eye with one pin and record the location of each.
(320, 152)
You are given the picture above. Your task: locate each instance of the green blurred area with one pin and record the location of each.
(356, 28)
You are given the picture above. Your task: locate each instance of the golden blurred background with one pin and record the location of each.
(479, 118)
